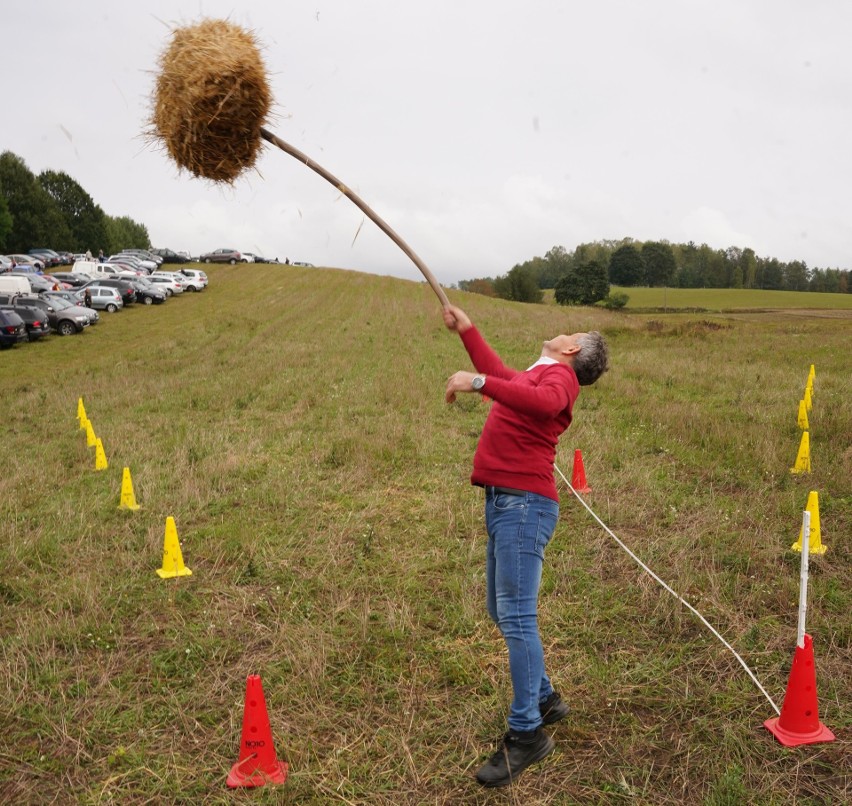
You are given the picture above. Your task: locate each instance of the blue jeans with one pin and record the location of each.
(519, 529)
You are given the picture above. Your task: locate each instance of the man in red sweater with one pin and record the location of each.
(514, 463)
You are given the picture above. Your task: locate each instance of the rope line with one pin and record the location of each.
(669, 589)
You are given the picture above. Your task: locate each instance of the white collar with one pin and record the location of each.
(543, 360)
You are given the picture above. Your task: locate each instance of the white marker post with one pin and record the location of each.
(803, 578)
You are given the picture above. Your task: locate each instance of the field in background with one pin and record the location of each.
(730, 299)
(292, 422)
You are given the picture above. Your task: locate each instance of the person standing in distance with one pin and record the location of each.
(514, 463)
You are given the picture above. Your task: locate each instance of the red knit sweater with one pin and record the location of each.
(531, 409)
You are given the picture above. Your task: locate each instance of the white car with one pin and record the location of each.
(195, 280)
(171, 285)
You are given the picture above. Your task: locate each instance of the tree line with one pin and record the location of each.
(52, 210)
(584, 276)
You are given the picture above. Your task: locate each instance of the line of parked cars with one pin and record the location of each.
(34, 304)
(234, 256)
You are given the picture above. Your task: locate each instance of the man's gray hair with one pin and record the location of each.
(592, 360)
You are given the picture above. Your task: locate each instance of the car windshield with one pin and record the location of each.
(59, 303)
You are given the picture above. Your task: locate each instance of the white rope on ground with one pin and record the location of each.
(673, 593)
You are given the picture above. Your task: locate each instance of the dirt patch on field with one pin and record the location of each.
(807, 313)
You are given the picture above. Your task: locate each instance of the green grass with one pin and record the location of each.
(292, 422)
(732, 299)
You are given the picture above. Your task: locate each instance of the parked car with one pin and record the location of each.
(37, 281)
(170, 256)
(34, 318)
(5, 263)
(124, 288)
(303, 264)
(28, 263)
(231, 256)
(103, 298)
(249, 257)
(47, 256)
(54, 281)
(61, 320)
(70, 278)
(70, 298)
(195, 280)
(13, 284)
(145, 260)
(12, 329)
(128, 264)
(169, 284)
(147, 292)
(64, 300)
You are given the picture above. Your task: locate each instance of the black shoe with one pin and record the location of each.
(553, 709)
(516, 752)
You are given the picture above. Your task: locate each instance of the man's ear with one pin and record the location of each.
(571, 350)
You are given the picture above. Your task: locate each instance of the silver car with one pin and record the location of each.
(103, 298)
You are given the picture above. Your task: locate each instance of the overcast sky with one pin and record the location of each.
(484, 132)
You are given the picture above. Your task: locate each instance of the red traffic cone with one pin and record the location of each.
(257, 764)
(799, 721)
(578, 475)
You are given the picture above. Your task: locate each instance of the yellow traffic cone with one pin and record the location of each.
(81, 413)
(803, 458)
(807, 398)
(803, 416)
(811, 374)
(815, 545)
(172, 556)
(91, 439)
(128, 499)
(100, 457)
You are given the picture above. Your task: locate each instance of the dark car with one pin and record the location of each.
(231, 256)
(46, 256)
(127, 291)
(34, 318)
(64, 321)
(74, 280)
(146, 292)
(64, 299)
(12, 329)
(170, 256)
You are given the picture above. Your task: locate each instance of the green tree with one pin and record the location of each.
(585, 284)
(659, 263)
(5, 222)
(626, 266)
(125, 233)
(36, 220)
(556, 263)
(770, 274)
(520, 284)
(796, 276)
(84, 218)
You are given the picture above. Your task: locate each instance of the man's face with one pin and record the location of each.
(562, 347)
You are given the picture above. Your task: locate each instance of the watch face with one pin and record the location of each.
(478, 383)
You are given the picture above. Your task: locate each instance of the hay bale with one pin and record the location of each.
(211, 100)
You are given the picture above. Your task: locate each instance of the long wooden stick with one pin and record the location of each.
(362, 205)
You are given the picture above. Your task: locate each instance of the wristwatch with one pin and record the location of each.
(477, 383)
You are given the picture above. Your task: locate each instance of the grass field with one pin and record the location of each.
(292, 422)
(732, 299)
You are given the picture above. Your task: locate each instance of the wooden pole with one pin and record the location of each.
(362, 205)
